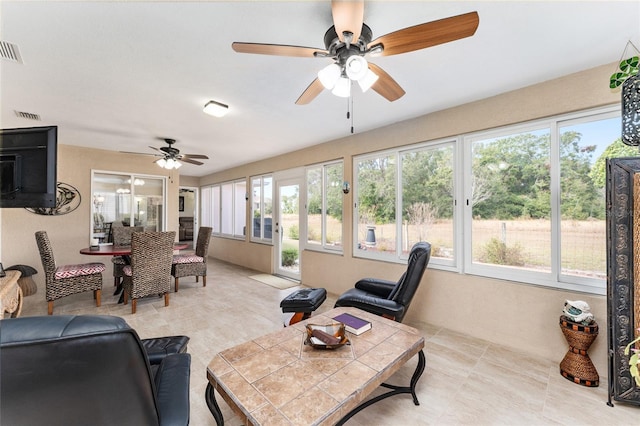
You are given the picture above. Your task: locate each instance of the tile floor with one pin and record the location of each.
(467, 381)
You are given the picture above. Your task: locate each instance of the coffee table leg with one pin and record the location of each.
(210, 397)
(395, 390)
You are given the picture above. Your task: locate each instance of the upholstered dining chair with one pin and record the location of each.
(66, 280)
(121, 237)
(187, 265)
(150, 271)
(387, 298)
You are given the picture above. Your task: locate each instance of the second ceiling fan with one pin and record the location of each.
(350, 39)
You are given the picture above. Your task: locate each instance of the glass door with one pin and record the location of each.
(286, 236)
(126, 200)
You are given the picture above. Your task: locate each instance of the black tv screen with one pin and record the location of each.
(28, 158)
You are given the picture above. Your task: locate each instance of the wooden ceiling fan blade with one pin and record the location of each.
(386, 86)
(204, 157)
(428, 34)
(277, 49)
(310, 93)
(188, 160)
(347, 16)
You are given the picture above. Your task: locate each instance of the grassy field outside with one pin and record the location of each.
(583, 243)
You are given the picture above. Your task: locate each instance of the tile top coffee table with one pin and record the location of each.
(277, 379)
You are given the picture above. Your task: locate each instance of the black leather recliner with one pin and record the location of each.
(89, 370)
(387, 298)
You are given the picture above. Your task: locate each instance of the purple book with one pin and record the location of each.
(353, 324)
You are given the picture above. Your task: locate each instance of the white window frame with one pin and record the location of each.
(462, 261)
(323, 246)
(214, 205)
(400, 257)
(554, 278)
(262, 197)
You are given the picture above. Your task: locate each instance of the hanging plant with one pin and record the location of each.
(628, 67)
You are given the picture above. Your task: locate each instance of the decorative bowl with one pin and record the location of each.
(319, 340)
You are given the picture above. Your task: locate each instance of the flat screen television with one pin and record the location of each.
(28, 172)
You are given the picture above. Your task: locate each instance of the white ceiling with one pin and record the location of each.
(117, 75)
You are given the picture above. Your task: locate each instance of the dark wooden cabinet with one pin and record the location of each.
(623, 272)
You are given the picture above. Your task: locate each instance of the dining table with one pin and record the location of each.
(111, 250)
(124, 251)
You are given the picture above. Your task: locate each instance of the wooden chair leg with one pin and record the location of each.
(50, 307)
(125, 297)
(134, 305)
(166, 299)
(176, 285)
(98, 295)
(204, 281)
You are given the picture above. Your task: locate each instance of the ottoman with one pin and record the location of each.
(302, 303)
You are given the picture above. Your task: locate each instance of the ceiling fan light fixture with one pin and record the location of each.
(168, 163)
(342, 88)
(356, 67)
(216, 109)
(368, 80)
(329, 76)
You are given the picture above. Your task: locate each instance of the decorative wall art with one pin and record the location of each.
(67, 200)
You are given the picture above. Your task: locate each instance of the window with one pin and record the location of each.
(261, 208)
(535, 200)
(532, 201)
(324, 206)
(375, 230)
(427, 183)
(224, 208)
(509, 197)
(425, 202)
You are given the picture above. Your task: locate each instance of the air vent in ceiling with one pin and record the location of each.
(28, 115)
(10, 52)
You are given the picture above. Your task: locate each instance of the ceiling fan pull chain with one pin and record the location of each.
(351, 99)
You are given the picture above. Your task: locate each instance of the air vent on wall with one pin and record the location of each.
(10, 52)
(28, 115)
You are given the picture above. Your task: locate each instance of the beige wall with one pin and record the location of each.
(70, 232)
(517, 315)
(514, 314)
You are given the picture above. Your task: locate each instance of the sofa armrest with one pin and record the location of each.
(158, 348)
(379, 287)
(172, 387)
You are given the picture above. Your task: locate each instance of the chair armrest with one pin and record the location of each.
(371, 303)
(172, 387)
(376, 286)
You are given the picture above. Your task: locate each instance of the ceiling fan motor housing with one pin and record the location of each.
(340, 50)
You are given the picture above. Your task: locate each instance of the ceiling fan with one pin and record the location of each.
(170, 157)
(349, 40)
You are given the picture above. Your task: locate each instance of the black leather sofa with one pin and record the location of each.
(90, 370)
